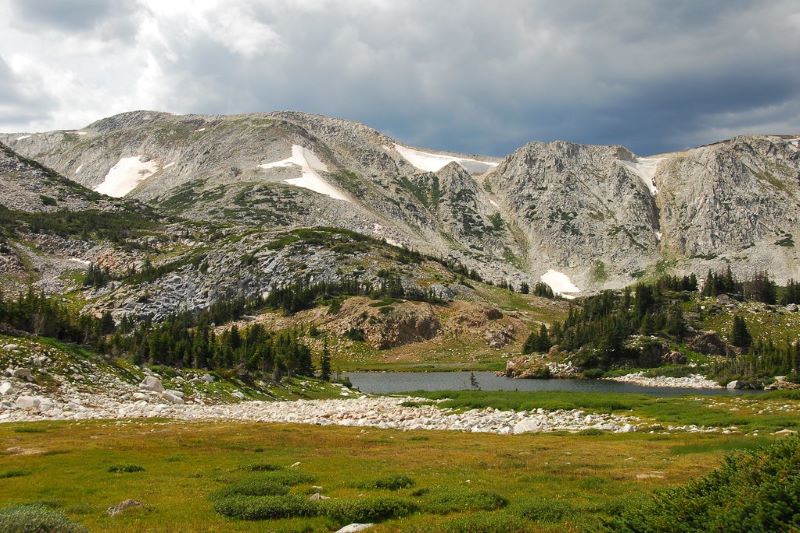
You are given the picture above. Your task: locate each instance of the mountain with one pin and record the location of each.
(581, 218)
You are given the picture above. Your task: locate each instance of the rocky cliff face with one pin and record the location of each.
(592, 216)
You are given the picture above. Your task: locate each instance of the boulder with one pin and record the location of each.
(238, 394)
(736, 385)
(122, 506)
(208, 378)
(354, 528)
(780, 383)
(792, 308)
(172, 396)
(499, 336)
(6, 388)
(709, 343)
(317, 497)
(28, 402)
(22, 373)
(151, 383)
(674, 358)
(526, 426)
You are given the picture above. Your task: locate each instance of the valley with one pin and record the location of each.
(189, 305)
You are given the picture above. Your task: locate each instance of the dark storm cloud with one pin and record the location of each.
(464, 75)
(111, 17)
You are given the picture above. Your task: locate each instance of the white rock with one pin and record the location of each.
(28, 402)
(526, 426)
(238, 394)
(6, 388)
(353, 528)
(208, 378)
(171, 397)
(151, 383)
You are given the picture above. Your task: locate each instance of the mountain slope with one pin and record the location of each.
(590, 216)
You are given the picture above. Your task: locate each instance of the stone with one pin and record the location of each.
(674, 358)
(792, 308)
(28, 402)
(208, 378)
(238, 394)
(171, 397)
(6, 388)
(736, 385)
(123, 506)
(526, 426)
(22, 373)
(151, 383)
(354, 528)
(317, 497)
(709, 343)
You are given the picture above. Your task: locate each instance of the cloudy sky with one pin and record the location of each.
(464, 75)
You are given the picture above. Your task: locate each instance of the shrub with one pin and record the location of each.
(395, 482)
(457, 499)
(757, 490)
(14, 473)
(125, 469)
(367, 509)
(545, 510)
(262, 467)
(36, 519)
(265, 507)
(253, 487)
(487, 523)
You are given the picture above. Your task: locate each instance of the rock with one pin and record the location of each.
(736, 385)
(526, 426)
(674, 358)
(122, 506)
(785, 432)
(499, 336)
(781, 383)
(151, 383)
(171, 397)
(317, 497)
(28, 402)
(22, 373)
(353, 528)
(792, 308)
(208, 378)
(709, 343)
(177, 393)
(238, 394)
(6, 388)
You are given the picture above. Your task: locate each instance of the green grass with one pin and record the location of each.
(757, 412)
(189, 466)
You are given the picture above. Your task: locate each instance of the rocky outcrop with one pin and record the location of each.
(710, 343)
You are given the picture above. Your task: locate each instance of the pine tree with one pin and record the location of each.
(325, 363)
(740, 335)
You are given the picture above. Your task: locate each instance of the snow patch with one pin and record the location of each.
(431, 162)
(659, 235)
(645, 168)
(168, 165)
(78, 169)
(80, 261)
(560, 283)
(82, 132)
(200, 129)
(309, 164)
(23, 137)
(494, 203)
(126, 175)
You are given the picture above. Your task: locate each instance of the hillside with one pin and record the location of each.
(585, 217)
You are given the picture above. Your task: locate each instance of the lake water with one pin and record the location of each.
(387, 382)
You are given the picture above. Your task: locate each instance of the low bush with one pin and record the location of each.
(265, 507)
(395, 482)
(125, 469)
(262, 467)
(36, 519)
(14, 473)
(367, 509)
(487, 523)
(253, 487)
(757, 490)
(545, 510)
(458, 499)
